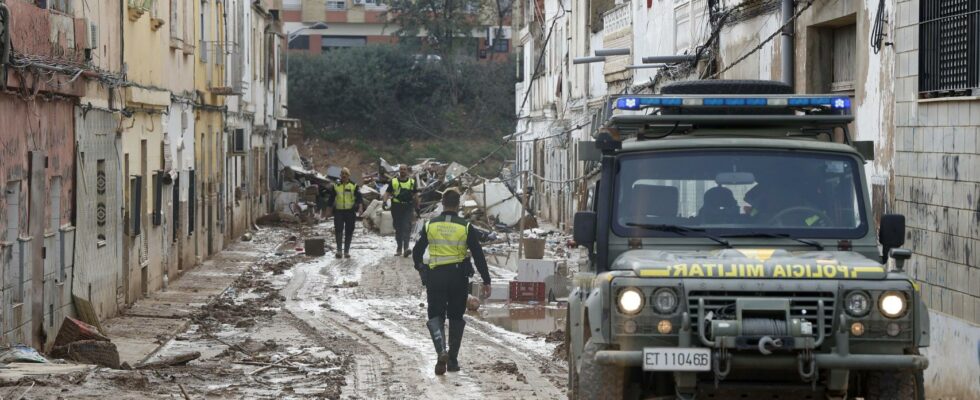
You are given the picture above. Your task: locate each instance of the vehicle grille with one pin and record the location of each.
(802, 305)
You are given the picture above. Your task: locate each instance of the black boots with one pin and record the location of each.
(455, 340)
(435, 330)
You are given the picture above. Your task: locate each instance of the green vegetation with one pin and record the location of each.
(389, 100)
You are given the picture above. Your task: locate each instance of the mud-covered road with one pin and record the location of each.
(293, 326)
(384, 314)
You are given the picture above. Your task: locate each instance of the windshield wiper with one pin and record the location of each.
(681, 230)
(815, 244)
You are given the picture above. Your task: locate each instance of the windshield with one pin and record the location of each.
(739, 193)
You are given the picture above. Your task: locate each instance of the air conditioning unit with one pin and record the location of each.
(93, 36)
(358, 2)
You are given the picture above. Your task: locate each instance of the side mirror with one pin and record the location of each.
(891, 233)
(584, 229)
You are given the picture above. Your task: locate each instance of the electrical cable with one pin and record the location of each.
(877, 33)
(537, 65)
(764, 42)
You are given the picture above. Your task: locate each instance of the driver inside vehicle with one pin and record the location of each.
(786, 199)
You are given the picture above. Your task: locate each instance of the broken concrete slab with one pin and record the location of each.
(11, 373)
(136, 337)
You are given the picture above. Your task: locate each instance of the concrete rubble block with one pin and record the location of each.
(282, 200)
(535, 270)
(89, 352)
(315, 247)
(499, 291)
(73, 330)
(386, 225)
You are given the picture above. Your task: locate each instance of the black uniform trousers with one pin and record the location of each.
(401, 217)
(447, 287)
(343, 228)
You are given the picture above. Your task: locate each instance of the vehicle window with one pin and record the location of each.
(798, 193)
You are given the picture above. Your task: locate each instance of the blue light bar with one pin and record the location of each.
(637, 103)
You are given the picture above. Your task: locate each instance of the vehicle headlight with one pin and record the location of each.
(892, 304)
(857, 304)
(665, 300)
(630, 301)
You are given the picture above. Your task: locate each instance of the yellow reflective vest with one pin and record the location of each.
(344, 196)
(397, 186)
(447, 241)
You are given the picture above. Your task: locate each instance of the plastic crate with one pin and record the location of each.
(527, 291)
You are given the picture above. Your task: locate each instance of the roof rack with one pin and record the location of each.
(631, 114)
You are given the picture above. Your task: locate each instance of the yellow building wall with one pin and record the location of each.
(209, 124)
(147, 57)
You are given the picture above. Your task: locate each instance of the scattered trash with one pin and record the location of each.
(21, 353)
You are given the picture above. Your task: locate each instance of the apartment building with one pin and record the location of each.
(910, 68)
(354, 23)
(139, 140)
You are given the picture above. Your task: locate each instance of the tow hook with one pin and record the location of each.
(766, 342)
(722, 365)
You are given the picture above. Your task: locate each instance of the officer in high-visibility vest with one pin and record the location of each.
(404, 205)
(446, 277)
(345, 197)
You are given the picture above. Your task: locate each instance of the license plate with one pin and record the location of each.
(676, 359)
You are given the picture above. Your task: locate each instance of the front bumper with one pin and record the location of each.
(824, 361)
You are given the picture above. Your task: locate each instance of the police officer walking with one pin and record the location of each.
(345, 197)
(404, 202)
(446, 278)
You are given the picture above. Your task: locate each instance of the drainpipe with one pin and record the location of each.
(786, 46)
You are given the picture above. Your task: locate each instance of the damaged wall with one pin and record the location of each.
(937, 186)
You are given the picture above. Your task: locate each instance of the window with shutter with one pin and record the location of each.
(845, 41)
(949, 48)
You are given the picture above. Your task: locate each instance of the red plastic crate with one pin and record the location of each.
(527, 291)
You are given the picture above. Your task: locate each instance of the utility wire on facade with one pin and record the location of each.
(764, 42)
(537, 65)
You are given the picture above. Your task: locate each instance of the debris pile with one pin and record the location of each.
(489, 204)
(83, 343)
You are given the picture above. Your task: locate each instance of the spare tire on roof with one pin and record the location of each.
(733, 86)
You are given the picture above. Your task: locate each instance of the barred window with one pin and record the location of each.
(949, 48)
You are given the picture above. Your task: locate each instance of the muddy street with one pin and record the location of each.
(293, 326)
(377, 301)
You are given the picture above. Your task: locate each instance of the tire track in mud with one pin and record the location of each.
(381, 320)
(367, 380)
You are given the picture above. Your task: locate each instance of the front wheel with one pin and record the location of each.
(894, 385)
(599, 382)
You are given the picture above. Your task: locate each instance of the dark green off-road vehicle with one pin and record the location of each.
(734, 254)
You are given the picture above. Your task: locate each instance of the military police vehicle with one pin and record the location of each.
(733, 253)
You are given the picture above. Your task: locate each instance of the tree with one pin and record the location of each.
(440, 22)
